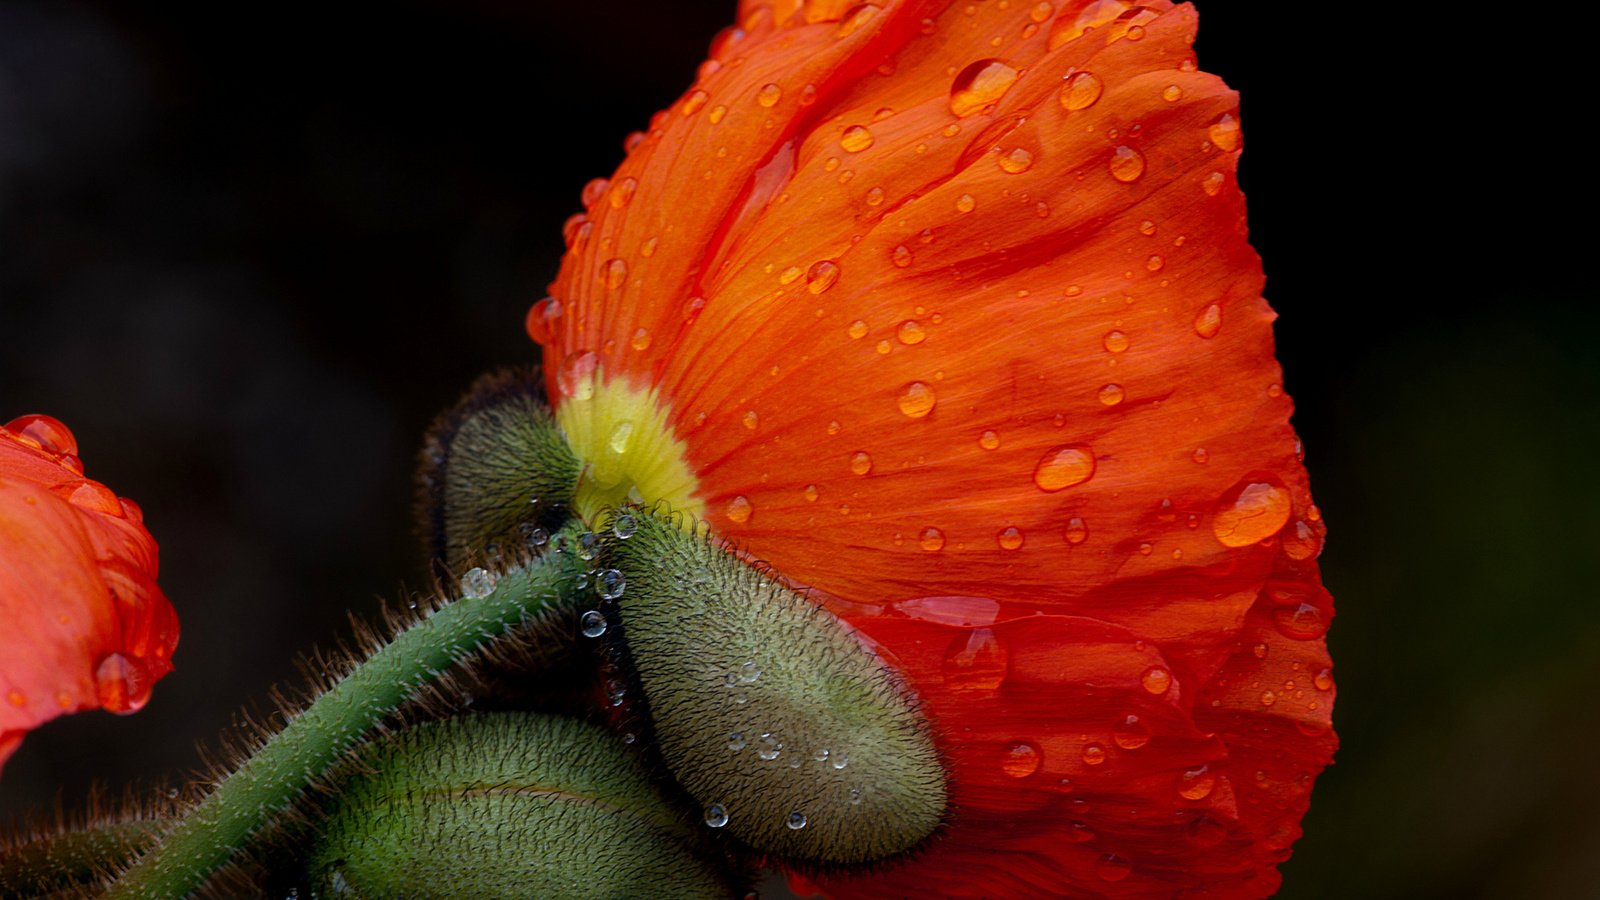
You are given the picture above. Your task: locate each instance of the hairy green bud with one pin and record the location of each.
(770, 712)
(506, 805)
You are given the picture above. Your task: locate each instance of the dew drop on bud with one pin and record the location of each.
(795, 821)
(121, 684)
(477, 583)
(609, 584)
(592, 623)
(716, 815)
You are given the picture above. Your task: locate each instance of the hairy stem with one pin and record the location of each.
(314, 740)
(56, 862)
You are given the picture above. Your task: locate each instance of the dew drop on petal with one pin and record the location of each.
(980, 84)
(1021, 760)
(1076, 531)
(989, 440)
(916, 400)
(92, 496)
(1009, 538)
(1079, 832)
(621, 193)
(1200, 455)
(1064, 467)
(975, 662)
(901, 256)
(861, 462)
(1156, 680)
(1224, 133)
(49, 433)
(738, 509)
(769, 95)
(751, 419)
(1208, 322)
(1127, 164)
(1303, 622)
(1300, 541)
(640, 339)
(855, 139)
(857, 329)
(1019, 160)
(810, 493)
(1250, 512)
(1111, 394)
(1115, 341)
(1172, 93)
(1196, 784)
(1094, 754)
(965, 203)
(822, 276)
(1207, 832)
(1112, 867)
(931, 539)
(1323, 680)
(1131, 733)
(1212, 183)
(694, 101)
(911, 332)
(1080, 91)
(616, 272)
(121, 684)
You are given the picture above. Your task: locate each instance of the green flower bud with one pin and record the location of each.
(506, 805)
(789, 732)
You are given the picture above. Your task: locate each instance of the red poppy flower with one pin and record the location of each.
(947, 312)
(85, 624)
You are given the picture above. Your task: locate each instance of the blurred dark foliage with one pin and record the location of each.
(248, 250)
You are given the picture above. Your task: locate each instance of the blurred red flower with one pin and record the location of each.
(85, 624)
(947, 312)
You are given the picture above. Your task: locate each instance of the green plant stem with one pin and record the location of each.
(56, 862)
(315, 739)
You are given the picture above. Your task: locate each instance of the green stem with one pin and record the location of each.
(315, 739)
(56, 862)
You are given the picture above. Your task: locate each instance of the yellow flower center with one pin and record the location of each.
(628, 448)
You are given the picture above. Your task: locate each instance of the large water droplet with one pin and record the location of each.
(1112, 867)
(1076, 531)
(1017, 161)
(769, 95)
(1094, 754)
(592, 624)
(1064, 467)
(861, 462)
(931, 539)
(1131, 733)
(1301, 542)
(1112, 394)
(609, 584)
(615, 272)
(477, 583)
(989, 440)
(1127, 164)
(716, 815)
(1080, 91)
(1021, 760)
(822, 276)
(975, 662)
(576, 375)
(738, 509)
(911, 333)
(965, 203)
(901, 256)
(1252, 511)
(1208, 322)
(916, 400)
(1196, 784)
(855, 139)
(48, 433)
(1115, 341)
(980, 84)
(1156, 679)
(1224, 133)
(795, 821)
(1302, 622)
(121, 684)
(1009, 538)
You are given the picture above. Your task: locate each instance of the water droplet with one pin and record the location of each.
(1064, 467)
(738, 509)
(1301, 542)
(1224, 133)
(931, 539)
(861, 462)
(716, 815)
(857, 329)
(477, 583)
(910, 333)
(795, 821)
(975, 662)
(1019, 160)
(1200, 455)
(1079, 832)
(1115, 341)
(1207, 832)
(1076, 531)
(622, 192)
(625, 526)
(92, 496)
(1268, 698)
(916, 400)
(980, 84)
(736, 741)
(1172, 93)
(1021, 760)
(1111, 394)
(50, 434)
(1131, 733)
(810, 493)
(1303, 622)
(1127, 164)
(822, 276)
(1112, 867)
(1250, 512)
(1154, 263)
(640, 339)
(965, 203)
(593, 190)
(1323, 680)
(121, 684)
(989, 440)
(855, 139)
(609, 584)
(901, 256)
(1212, 183)
(592, 624)
(1156, 679)
(790, 275)
(1208, 322)
(588, 546)
(1196, 784)
(693, 102)
(750, 419)
(1080, 91)
(616, 272)
(717, 114)
(839, 760)
(855, 796)
(1009, 538)
(770, 747)
(769, 95)
(1094, 754)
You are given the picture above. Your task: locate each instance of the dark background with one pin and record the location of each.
(246, 254)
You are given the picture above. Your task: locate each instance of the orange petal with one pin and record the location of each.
(968, 310)
(86, 625)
